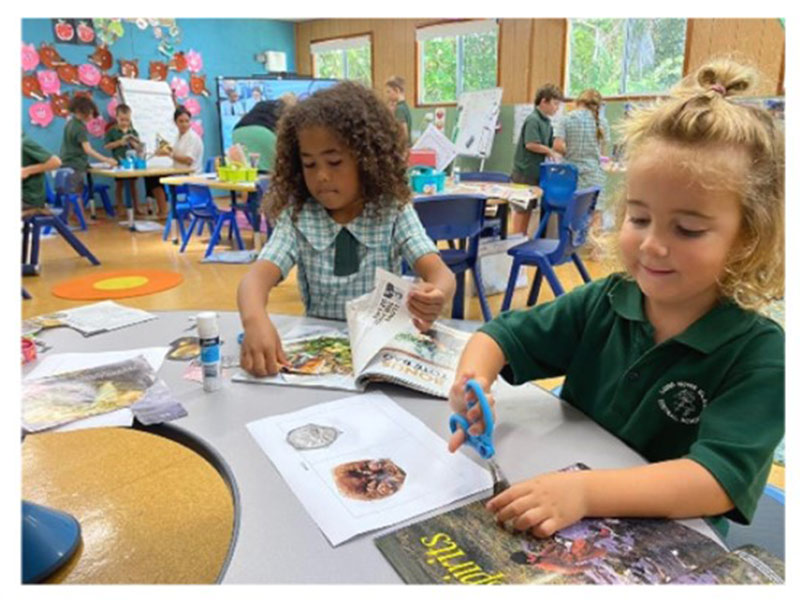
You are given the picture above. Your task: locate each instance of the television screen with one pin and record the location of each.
(237, 95)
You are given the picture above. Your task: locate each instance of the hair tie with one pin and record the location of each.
(718, 87)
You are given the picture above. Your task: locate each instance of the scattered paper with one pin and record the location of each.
(433, 139)
(66, 362)
(95, 318)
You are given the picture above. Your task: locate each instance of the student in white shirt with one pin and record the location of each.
(187, 151)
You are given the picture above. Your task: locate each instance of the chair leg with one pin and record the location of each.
(200, 228)
(215, 235)
(188, 233)
(79, 247)
(25, 294)
(79, 213)
(512, 280)
(458, 298)
(533, 295)
(581, 268)
(167, 227)
(107, 205)
(550, 275)
(476, 275)
(236, 233)
(26, 238)
(35, 238)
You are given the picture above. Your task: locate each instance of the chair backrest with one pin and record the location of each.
(573, 229)
(199, 198)
(488, 176)
(558, 182)
(453, 216)
(62, 180)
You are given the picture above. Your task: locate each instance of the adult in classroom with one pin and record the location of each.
(581, 137)
(256, 130)
(187, 151)
(396, 99)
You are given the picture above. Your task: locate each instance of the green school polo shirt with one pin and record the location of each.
(114, 135)
(714, 393)
(403, 114)
(537, 129)
(257, 138)
(33, 194)
(72, 153)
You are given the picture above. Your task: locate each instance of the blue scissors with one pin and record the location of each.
(482, 443)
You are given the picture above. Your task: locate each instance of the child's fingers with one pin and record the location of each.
(506, 497)
(545, 529)
(531, 518)
(245, 360)
(422, 325)
(424, 311)
(456, 440)
(258, 369)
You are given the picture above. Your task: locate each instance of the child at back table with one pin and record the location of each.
(342, 202)
(120, 138)
(669, 355)
(75, 146)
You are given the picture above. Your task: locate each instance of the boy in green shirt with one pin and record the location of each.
(35, 162)
(120, 138)
(535, 144)
(395, 94)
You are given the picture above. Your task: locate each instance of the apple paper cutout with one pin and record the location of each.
(129, 68)
(50, 56)
(60, 104)
(198, 84)
(41, 114)
(64, 31)
(197, 127)
(85, 32)
(97, 126)
(102, 58)
(48, 82)
(179, 87)
(158, 70)
(30, 87)
(68, 73)
(111, 107)
(89, 75)
(194, 61)
(108, 84)
(193, 106)
(178, 62)
(30, 58)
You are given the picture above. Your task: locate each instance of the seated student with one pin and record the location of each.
(187, 151)
(75, 146)
(256, 130)
(120, 138)
(342, 202)
(396, 97)
(535, 144)
(35, 162)
(669, 356)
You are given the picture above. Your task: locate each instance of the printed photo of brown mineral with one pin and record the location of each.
(312, 437)
(369, 479)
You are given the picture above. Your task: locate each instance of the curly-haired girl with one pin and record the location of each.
(340, 201)
(669, 356)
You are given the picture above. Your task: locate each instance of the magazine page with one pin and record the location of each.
(95, 318)
(467, 546)
(748, 564)
(421, 361)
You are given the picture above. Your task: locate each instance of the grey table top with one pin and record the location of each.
(278, 542)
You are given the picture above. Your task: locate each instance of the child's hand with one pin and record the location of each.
(111, 162)
(26, 172)
(425, 302)
(544, 504)
(262, 353)
(459, 399)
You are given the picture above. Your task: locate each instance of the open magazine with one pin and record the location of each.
(467, 546)
(383, 345)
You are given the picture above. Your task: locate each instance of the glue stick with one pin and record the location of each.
(208, 332)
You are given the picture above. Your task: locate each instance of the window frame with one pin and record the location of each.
(371, 43)
(418, 57)
(631, 97)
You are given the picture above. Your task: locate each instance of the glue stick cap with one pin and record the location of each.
(207, 326)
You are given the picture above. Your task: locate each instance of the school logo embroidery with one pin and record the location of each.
(682, 401)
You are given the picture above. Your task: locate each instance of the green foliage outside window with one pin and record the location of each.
(353, 63)
(625, 56)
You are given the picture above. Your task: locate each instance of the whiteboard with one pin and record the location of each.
(477, 118)
(153, 109)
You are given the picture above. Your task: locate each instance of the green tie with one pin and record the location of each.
(345, 259)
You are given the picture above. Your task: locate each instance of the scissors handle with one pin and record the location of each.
(482, 442)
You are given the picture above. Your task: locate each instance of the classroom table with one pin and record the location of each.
(209, 180)
(275, 540)
(492, 198)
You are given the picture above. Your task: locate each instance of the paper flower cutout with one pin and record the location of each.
(89, 75)
(97, 126)
(180, 87)
(30, 57)
(193, 106)
(111, 107)
(41, 114)
(194, 61)
(197, 126)
(49, 82)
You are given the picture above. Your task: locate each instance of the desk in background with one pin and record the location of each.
(276, 540)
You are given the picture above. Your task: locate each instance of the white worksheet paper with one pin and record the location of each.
(371, 427)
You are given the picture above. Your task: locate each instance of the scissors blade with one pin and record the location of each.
(498, 477)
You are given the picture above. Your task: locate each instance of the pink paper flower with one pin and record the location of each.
(193, 106)
(111, 107)
(49, 82)
(180, 87)
(89, 74)
(194, 61)
(41, 114)
(197, 126)
(97, 127)
(30, 57)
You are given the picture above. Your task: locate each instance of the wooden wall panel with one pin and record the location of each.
(761, 41)
(515, 36)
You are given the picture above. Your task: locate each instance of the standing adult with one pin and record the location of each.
(535, 144)
(396, 99)
(256, 130)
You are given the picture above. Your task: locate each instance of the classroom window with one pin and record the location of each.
(344, 58)
(454, 58)
(625, 57)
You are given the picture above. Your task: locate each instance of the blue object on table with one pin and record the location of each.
(49, 538)
(545, 254)
(558, 182)
(426, 179)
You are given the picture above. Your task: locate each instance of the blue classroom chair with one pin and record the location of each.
(451, 217)
(66, 197)
(558, 182)
(491, 227)
(545, 253)
(202, 208)
(181, 208)
(92, 189)
(32, 231)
